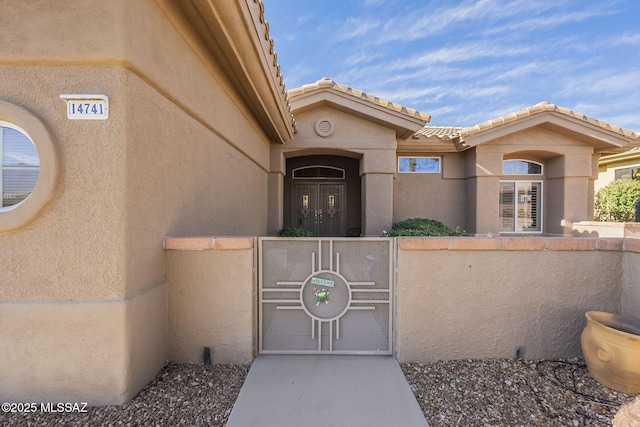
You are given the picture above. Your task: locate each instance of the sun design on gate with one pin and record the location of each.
(326, 296)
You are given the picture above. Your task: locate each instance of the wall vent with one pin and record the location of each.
(324, 127)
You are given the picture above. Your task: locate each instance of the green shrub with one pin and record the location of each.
(294, 232)
(617, 201)
(422, 227)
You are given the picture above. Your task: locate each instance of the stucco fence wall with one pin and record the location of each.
(456, 298)
(211, 298)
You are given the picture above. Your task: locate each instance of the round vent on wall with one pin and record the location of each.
(324, 127)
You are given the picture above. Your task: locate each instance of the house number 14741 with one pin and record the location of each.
(87, 107)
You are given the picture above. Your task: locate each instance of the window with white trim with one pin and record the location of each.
(521, 206)
(521, 200)
(419, 164)
(521, 167)
(20, 166)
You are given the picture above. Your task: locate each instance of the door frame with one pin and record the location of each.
(336, 162)
(315, 209)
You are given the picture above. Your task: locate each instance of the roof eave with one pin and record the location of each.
(602, 139)
(237, 38)
(426, 145)
(405, 123)
(633, 154)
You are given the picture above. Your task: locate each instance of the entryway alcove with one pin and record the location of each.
(322, 194)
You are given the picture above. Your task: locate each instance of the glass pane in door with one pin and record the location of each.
(528, 206)
(507, 206)
(331, 204)
(304, 207)
(320, 209)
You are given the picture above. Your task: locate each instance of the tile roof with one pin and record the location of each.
(541, 108)
(457, 134)
(440, 132)
(274, 60)
(326, 83)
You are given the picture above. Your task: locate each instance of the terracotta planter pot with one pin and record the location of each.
(611, 347)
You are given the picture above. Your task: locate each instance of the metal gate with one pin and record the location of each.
(325, 295)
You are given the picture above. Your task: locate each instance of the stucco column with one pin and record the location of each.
(566, 204)
(275, 205)
(377, 169)
(377, 203)
(483, 169)
(487, 208)
(275, 192)
(568, 182)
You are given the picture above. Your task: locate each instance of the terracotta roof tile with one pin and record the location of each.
(540, 108)
(326, 83)
(274, 60)
(444, 133)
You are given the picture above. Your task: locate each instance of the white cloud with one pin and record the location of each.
(539, 23)
(360, 58)
(415, 26)
(476, 60)
(623, 39)
(304, 18)
(465, 52)
(355, 28)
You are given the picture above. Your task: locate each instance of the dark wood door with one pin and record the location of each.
(319, 208)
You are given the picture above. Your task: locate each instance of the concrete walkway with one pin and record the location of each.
(326, 391)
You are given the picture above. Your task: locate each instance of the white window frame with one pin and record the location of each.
(516, 202)
(523, 174)
(437, 158)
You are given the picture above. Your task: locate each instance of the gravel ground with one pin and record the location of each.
(466, 393)
(512, 393)
(180, 395)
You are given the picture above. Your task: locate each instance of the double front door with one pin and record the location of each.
(319, 208)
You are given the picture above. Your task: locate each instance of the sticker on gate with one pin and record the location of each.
(323, 282)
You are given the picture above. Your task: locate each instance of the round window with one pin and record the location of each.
(29, 166)
(20, 166)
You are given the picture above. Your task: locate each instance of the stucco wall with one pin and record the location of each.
(74, 248)
(97, 351)
(456, 298)
(183, 179)
(567, 178)
(180, 153)
(124, 182)
(355, 137)
(439, 196)
(211, 300)
(350, 132)
(464, 298)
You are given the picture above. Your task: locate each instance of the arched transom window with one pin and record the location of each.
(521, 167)
(318, 172)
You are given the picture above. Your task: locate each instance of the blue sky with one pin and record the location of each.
(465, 62)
